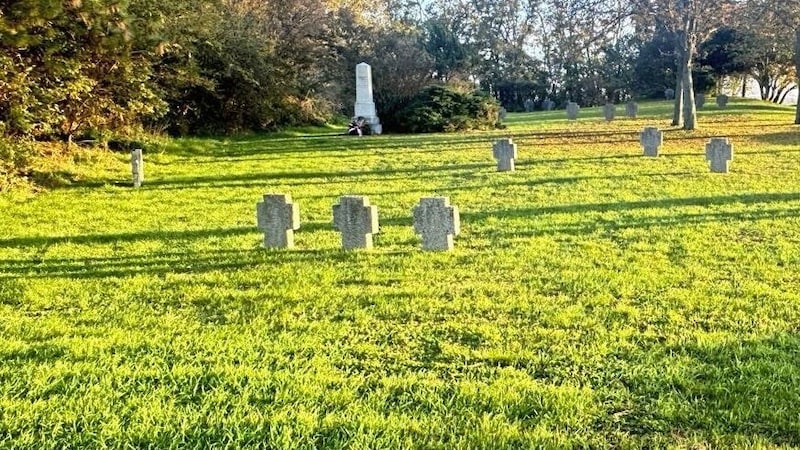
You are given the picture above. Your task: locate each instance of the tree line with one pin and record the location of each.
(86, 68)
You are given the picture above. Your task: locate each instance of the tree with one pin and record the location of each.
(691, 23)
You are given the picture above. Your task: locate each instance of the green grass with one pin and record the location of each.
(596, 298)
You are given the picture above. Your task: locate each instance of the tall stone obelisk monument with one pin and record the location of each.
(365, 106)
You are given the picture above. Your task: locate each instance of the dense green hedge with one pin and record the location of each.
(442, 109)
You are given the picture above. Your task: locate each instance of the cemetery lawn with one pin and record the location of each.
(595, 298)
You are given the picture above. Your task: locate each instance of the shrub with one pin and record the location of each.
(443, 109)
(15, 162)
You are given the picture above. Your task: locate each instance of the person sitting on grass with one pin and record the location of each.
(356, 126)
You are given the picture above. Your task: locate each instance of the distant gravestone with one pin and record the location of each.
(609, 111)
(437, 221)
(632, 109)
(669, 94)
(137, 167)
(651, 139)
(699, 100)
(548, 104)
(528, 104)
(505, 152)
(722, 101)
(278, 217)
(501, 115)
(719, 152)
(357, 220)
(572, 110)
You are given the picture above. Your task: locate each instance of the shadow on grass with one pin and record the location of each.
(593, 225)
(745, 387)
(261, 178)
(163, 263)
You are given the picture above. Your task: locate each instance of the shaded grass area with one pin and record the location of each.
(596, 298)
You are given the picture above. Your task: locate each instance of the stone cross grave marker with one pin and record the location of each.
(722, 101)
(501, 115)
(528, 105)
(278, 217)
(357, 220)
(632, 109)
(719, 152)
(365, 105)
(572, 110)
(699, 100)
(137, 167)
(437, 221)
(609, 111)
(505, 152)
(651, 139)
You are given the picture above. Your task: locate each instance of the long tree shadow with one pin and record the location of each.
(164, 263)
(244, 179)
(666, 203)
(746, 387)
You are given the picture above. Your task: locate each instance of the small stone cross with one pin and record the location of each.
(572, 111)
(137, 167)
(651, 139)
(610, 111)
(357, 220)
(505, 151)
(719, 152)
(437, 221)
(699, 100)
(278, 217)
(722, 101)
(632, 109)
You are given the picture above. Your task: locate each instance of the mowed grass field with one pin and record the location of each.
(596, 298)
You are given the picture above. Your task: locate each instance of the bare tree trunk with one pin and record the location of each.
(677, 111)
(689, 109)
(797, 66)
(744, 86)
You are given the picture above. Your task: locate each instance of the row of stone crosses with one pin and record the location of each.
(434, 218)
(357, 220)
(719, 151)
(631, 108)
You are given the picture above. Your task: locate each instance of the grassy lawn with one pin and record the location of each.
(596, 298)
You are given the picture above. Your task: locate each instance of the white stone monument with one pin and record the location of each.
(719, 152)
(357, 220)
(278, 217)
(137, 167)
(572, 111)
(505, 152)
(437, 221)
(651, 139)
(365, 105)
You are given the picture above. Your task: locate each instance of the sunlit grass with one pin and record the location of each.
(595, 298)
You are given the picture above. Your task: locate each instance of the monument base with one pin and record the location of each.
(374, 123)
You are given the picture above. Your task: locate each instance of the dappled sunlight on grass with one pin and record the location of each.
(595, 297)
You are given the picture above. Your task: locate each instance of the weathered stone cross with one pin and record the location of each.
(651, 139)
(719, 152)
(572, 111)
(505, 151)
(609, 111)
(278, 217)
(357, 220)
(437, 221)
